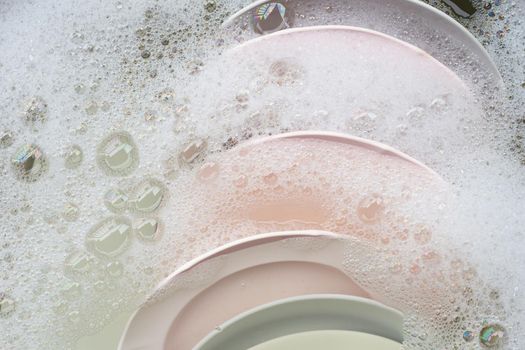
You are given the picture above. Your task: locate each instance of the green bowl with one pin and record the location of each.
(332, 340)
(304, 314)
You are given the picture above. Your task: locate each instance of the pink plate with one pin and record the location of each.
(259, 269)
(237, 277)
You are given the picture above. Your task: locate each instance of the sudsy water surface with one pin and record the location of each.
(120, 160)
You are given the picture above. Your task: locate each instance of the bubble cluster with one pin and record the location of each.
(271, 17)
(7, 305)
(35, 113)
(71, 212)
(6, 139)
(370, 208)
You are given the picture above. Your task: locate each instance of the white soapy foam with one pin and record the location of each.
(154, 71)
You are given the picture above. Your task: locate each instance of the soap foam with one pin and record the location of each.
(159, 73)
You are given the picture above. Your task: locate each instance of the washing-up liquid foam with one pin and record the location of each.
(122, 158)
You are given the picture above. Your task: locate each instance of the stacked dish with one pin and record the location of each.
(290, 290)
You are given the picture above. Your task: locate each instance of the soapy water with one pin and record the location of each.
(116, 119)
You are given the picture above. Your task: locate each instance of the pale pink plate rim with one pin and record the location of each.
(350, 29)
(426, 10)
(339, 137)
(228, 248)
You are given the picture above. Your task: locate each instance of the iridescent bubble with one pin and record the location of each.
(71, 212)
(117, 154)
(35, 112)
(271, 17)
(468, 336)
(7, 306)
(78, 263)
(370, 208)
(148, 196)
(6, 139)
(116, 200)
(29, 162)
(148, 229)
(491, 335)
(73, 157)
(110, 237)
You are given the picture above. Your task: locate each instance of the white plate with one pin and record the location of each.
(238, 277)
(403, 19)
(303, 314)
